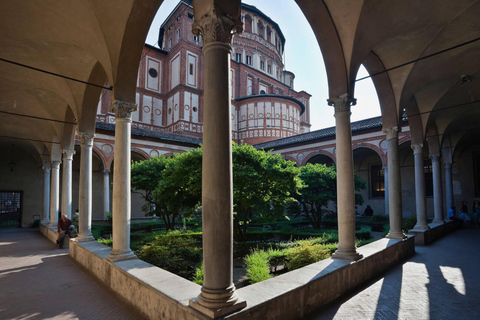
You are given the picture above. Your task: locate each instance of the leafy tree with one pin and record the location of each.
(320, 187)
(263, 183)
(145, 176)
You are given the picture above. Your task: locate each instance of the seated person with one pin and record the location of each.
(452, 216)
(64, 227)
(368, 211)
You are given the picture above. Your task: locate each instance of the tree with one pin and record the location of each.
(320, 187)
(145, 176)
(263, 183)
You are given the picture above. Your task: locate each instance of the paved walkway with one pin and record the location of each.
(31, 287)
(442, 281)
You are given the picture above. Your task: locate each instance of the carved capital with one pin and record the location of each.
(392, 133)
(342, 103)
(46, 170)
(106, 172)
(68, 154)
(56, 164)
(86, 138)
(417, 148)
(435, 157)
(123, 110)
(216, 26)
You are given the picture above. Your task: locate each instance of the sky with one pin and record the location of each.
(302, 57)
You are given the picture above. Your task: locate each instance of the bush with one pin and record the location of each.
(304, 254)
(258, 268)
(177, 254)
(276, 258)
(198, 277)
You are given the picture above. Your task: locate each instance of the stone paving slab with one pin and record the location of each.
(442, 281)
(38, 281)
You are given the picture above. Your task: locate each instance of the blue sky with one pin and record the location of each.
(302, 57)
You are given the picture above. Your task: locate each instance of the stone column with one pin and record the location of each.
(394, 185)
(218, 296)
(54, 193)
(437, 189)
(345, 181)
(385, 196)
(421, 205)
(106, 192)
(46, 195)
(449, 185)
(122, 197)
(85, 188)
(67, 183)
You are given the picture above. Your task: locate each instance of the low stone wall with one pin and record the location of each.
(436, 231)
(51, 234)
(159, 294)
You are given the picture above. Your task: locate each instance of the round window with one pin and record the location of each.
(170, 111)
(153, 73)
(194, 109)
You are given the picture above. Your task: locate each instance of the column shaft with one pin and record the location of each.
(449, 185)
(345, 180)
(122, 204)
(385, 196)
(106, 193)
(54, 193)
(85, 188)
(420, 188)
(437, 189)
(46, 195)
(67, 183)
(394, 185)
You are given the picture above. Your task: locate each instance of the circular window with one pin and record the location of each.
(170, 111)
(158, 112)
(194, 109)
(153, 73)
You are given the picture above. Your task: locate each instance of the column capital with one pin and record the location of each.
(216, 26)
(56, 164)
(68, 154)
(434, 157)
(123, 110)
(46, 169)
(86, 138)
(342, 103)
(392, 133)
(106, 172)
(448, 165)
(417, 148)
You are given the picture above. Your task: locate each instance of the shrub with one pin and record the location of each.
(179, 255)
(258, 268)
(305, 254)
(107, 242)
(198, 277)
(276, 258)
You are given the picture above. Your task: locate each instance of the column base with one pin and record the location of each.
(347, 255)
(218, 311)
(84, 238)
(438, 221)
(421, 227)
(121, 255)
(396, 235)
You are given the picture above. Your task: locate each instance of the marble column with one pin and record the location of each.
(345, 179)
(437, 189)
(106, 193)
(385, 183)
(449, 185)
(46, 195)
(85, 188)
(394, 185)
(218, 296)
(121, 202)
(67, 182)
(54, 193)
(421, 205)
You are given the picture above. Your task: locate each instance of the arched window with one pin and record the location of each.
(248, 23)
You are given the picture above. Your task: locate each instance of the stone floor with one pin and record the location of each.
(442, 281)
(38, 281)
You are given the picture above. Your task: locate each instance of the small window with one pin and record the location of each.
(238, 57)
(169, 110)
(377, 181)
(269, 69)
(191, 69)
(177, 33)
(262, 91)
(169, 43)
(190, 15)
(262, 65)
(249, 60)
(196, 39)
(194, 109)
(153, 73)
